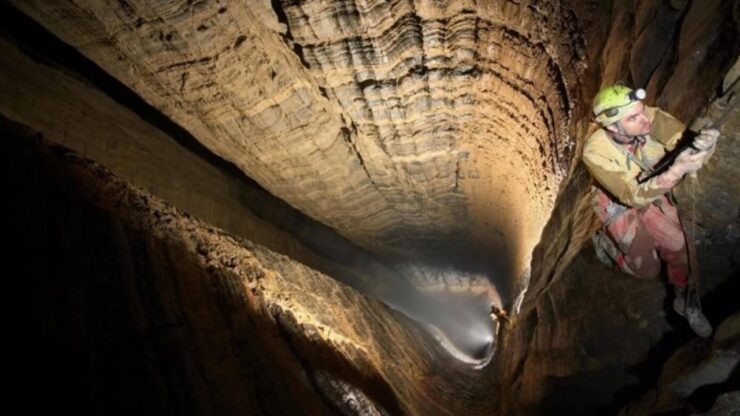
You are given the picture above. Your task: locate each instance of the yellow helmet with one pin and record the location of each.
(612, 102)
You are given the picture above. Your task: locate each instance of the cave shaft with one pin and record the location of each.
(402, 125)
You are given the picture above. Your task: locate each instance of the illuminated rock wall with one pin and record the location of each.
(409, 127)
(402, 125)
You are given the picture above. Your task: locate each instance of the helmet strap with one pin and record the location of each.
(620, 135)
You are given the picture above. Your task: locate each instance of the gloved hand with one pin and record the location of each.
(706, 139)
(688, 161)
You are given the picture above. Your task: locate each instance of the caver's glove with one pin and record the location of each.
(688, 161)
(706, 140)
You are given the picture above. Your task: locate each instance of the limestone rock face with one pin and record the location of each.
(67, 108)
(402, 125)
(411, 127)
(131, 306)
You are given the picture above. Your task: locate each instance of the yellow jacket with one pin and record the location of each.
(616, 173)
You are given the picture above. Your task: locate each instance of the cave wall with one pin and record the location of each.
(588, 339)
(396, 124)
(400, 125)
(129, 305)
(55, 91)
(69, 101)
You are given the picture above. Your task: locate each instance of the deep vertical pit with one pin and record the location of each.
(443, 231)
(442, 227)
(434, 136)
(402, 128)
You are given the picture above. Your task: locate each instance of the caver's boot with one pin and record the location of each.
(608, 253)
(679, 302)
(687, 305)
(605, 249)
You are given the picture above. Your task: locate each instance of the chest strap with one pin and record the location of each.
(642, 163)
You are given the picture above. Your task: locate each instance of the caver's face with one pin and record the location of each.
(634, 123)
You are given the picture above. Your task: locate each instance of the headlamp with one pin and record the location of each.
(638, 94)
(634, 95)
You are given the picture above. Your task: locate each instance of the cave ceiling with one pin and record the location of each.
(403, 125)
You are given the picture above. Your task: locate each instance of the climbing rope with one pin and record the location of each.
(694, 280)
(691, 248)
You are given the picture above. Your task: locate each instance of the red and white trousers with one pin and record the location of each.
(644, 236)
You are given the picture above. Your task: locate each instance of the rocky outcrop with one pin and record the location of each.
(697, 365)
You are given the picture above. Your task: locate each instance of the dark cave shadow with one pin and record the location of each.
(704, 397)
(72, 308)
(44, 47)
(718, 304)
(648, 371)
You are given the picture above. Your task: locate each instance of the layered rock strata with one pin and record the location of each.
(345, 109)
(402, 125)
(60, 96)
(133, 306)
